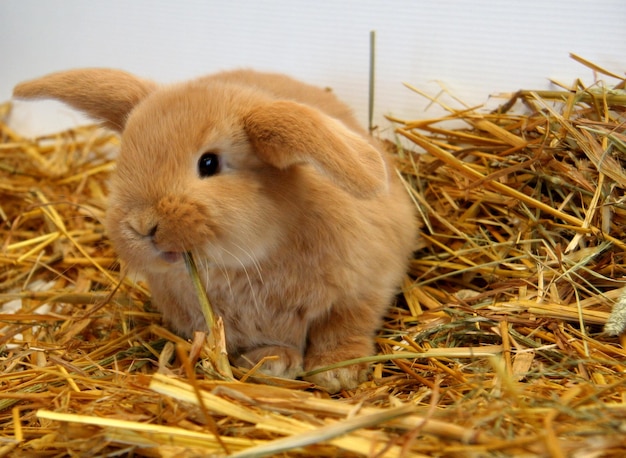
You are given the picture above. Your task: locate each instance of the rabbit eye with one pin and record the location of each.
(208, 165)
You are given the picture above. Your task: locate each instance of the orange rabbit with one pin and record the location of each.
(300, 227)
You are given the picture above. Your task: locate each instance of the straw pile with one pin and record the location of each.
(497, 346)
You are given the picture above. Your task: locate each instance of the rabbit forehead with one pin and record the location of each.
(171, 128)
(186, 117)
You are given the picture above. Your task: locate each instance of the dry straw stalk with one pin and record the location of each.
(495, 348)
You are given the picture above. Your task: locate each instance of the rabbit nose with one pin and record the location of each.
(152, 231)
(156, 237)
(144, 223)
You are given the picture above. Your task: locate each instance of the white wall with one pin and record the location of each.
(476, 48)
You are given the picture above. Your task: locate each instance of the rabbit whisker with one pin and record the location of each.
(209, 261)
(245, 271)
(253, 258)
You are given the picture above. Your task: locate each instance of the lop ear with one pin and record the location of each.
(286, 133)
(104, 94)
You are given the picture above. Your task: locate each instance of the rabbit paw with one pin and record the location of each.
(284, 362)
(343, 378)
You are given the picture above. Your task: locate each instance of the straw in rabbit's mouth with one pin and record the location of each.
(216, 338)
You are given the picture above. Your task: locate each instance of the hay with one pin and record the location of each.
(496, 347)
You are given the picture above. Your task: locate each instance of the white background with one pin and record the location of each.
(476, 48)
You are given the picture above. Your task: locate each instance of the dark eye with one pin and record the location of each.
(208, 165)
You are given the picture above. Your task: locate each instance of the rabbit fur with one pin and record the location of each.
(302, 235)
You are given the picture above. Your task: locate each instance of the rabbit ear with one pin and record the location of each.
(285, 133)
(105, 94)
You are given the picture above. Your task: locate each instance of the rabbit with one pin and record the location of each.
(298, 222)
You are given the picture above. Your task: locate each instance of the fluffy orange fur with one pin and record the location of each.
(302, 237)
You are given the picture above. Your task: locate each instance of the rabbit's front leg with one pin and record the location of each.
(345, 333)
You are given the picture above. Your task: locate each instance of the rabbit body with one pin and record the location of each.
(302, 232)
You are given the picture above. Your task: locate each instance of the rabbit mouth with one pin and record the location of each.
(171, 257)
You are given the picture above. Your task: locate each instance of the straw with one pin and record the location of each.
(496, 345)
